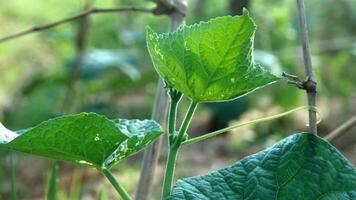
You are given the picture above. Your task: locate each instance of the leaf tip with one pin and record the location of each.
(149, 30)
(245, 12)
(150, 34)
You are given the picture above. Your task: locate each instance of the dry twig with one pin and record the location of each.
(342, 129)
(76, 17)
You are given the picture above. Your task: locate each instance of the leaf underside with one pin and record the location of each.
(210, 61)
(85, 138)
(302, 166)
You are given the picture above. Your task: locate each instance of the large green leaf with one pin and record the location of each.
(302, 166)
(210, 61)
(85, 138)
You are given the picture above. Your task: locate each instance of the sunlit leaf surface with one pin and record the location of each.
(85, 138)
(302, 166)
(210, 61)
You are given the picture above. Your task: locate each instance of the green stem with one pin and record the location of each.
(172, 118)
(184, 127)
(173, 151)
(12, 178)
(119, 188)
(224, 130)
(52, 185)
(169, 172)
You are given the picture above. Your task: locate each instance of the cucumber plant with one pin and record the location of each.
(207, 62)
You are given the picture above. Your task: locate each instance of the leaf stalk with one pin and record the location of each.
(175, 97)
(174, 146)
(52, 185)
(184, 127)
(118, 187)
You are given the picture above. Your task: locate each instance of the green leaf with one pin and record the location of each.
(302, 166)
(210, 61)
(85, 138)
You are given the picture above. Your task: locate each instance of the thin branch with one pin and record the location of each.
(309, 84)
(291, 77)
(342, 129)
(75, 17)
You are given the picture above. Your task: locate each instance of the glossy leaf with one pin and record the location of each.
(210, 61)
(302, 166)
(85, 138)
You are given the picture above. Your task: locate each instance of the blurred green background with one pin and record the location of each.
(117, 80)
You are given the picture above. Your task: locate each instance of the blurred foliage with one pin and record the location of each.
(117, 78)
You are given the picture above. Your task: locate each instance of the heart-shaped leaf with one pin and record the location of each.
(85, 138)
(210, 61)
(302, 166)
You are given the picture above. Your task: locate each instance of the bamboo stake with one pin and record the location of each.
(309, 84)
(151, 154)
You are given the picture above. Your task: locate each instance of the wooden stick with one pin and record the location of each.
(310, 84)
(151, 154)
(342, 129)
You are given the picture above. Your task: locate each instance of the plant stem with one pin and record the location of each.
(172, 114)
(52, 185)
(310, 84)
(224, 130)
(119, 188)
(12, 178)
(184, 127)
(174, 146)
(169, 172)
(175, 97)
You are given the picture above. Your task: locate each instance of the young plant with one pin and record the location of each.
(207, 62)
(211, 62)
